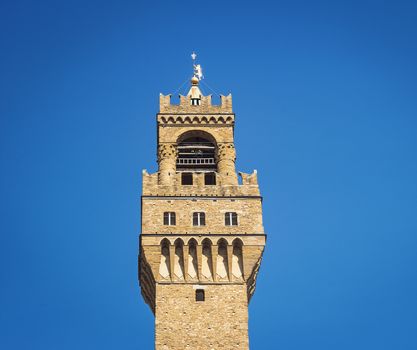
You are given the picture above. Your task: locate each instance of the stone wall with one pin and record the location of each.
(249, 212)
(152, 186)
(219, 322)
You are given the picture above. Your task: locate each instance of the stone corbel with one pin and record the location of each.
(199, 260)
(230, 261)
(214, 253)
(172, 261)
(185, 254)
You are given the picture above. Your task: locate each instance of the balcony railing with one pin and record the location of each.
(196, 161)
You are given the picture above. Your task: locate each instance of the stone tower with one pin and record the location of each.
(202, 235)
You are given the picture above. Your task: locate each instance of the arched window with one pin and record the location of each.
(199, 219)
(230, 219)
(196, 152)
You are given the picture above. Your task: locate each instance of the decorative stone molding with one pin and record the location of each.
(196, 119)
(220, 261)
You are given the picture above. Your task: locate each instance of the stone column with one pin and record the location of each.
(167, 157)
(226, 157)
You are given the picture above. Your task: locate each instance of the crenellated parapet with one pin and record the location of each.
(169, 183)
(249, 179)
(205, 106)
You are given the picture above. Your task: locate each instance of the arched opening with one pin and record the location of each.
(192, 259)
(237, 260)
(207, 262)
(196, 152)
(222, 262)
(164, 266)
(179, 259)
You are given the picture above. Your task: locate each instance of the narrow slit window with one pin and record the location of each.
(186, 179)
(169, 218)
(199, 295)
(230, 219)
(199, 219)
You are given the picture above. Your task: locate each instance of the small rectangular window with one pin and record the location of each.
(169, 218)
(186, 179)
(199, 219)
(199, 295)
(209, 178)
(230, 219)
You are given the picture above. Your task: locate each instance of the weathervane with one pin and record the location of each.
(198, 71)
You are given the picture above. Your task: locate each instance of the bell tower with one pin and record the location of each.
(202, 236)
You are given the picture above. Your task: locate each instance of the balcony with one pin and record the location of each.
(197, 155)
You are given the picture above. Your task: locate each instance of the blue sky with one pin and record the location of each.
(326, 104)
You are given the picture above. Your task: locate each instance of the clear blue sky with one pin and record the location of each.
(326, 102)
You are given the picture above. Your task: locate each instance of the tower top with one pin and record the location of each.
(195, 101)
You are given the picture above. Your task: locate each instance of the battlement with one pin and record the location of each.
(185, 105)
(151, 186)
